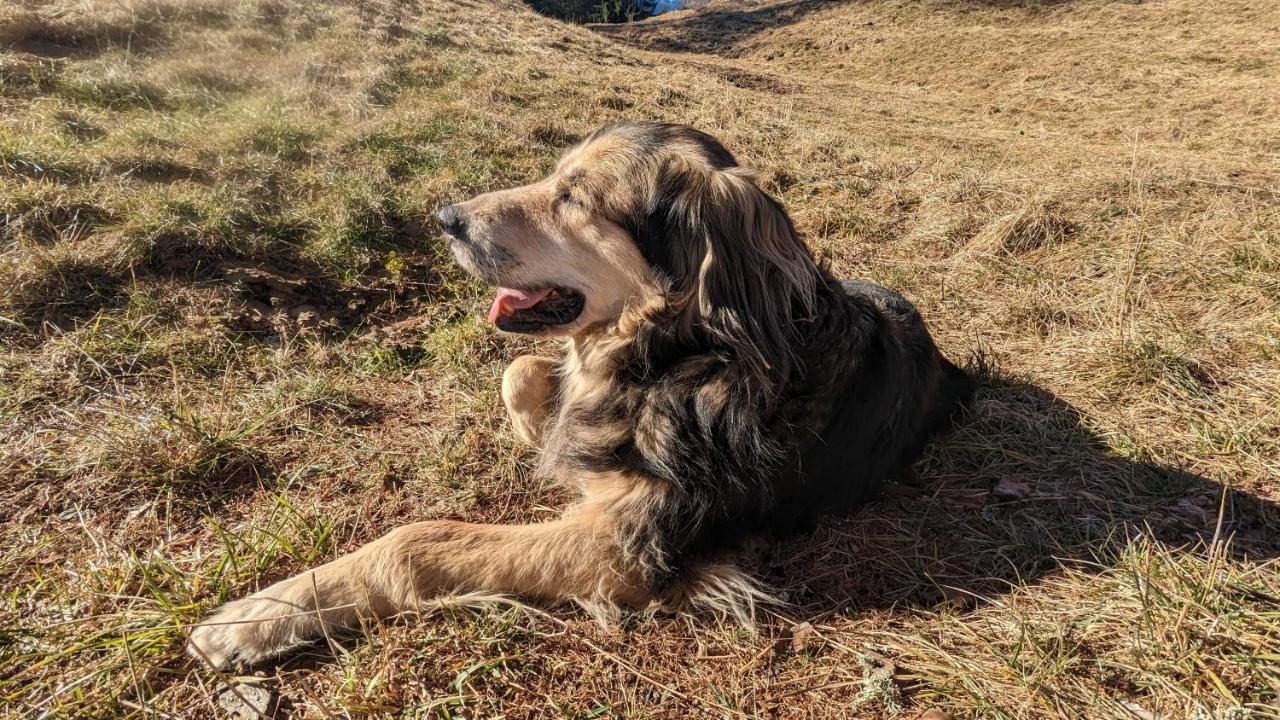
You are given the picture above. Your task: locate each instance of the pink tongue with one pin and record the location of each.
(508, 301)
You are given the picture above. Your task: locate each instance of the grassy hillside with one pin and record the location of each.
(233, 347)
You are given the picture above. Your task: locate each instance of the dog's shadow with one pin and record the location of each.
(1021, 487)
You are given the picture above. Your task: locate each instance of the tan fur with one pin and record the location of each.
(528, 387)
(572, 557)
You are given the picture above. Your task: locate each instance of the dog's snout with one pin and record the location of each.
(453, 220)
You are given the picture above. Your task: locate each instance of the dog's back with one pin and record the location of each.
(946, 388)
(875, 390)
(893, 392)
(955, 386)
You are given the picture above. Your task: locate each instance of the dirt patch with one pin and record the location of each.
(275, 301)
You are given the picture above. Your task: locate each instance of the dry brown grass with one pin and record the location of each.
(232, 348)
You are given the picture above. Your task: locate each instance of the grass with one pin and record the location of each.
(232, 347)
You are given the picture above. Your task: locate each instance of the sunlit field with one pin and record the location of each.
(232, 347)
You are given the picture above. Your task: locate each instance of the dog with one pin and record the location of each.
(716, 383)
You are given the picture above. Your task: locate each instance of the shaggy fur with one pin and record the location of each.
(716, 383)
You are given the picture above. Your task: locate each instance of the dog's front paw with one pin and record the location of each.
(248, 631)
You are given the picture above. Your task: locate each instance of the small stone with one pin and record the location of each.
(1011, 489)
(298, 311)
(934, 714)
(248, 702)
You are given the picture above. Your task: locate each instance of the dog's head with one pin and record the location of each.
(638, 215)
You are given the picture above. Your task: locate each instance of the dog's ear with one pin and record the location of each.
(733, 261)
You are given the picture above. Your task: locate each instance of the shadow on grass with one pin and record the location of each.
(717, 30)
(1021, 487)
(145, 27)
(269, 289)
(712, 31)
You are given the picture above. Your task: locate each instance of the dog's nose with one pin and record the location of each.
(453, 220)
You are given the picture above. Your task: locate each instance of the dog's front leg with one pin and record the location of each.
(573, 557)
(528, 391)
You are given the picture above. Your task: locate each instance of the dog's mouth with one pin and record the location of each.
(528, 311)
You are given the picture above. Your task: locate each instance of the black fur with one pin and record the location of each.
(873, 391)
(755, 427)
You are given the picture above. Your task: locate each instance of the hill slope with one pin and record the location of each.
(233, 346)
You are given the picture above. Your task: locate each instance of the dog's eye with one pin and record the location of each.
(567, 198)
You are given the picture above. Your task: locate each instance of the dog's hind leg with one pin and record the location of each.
(575, 557)
(528, 391)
